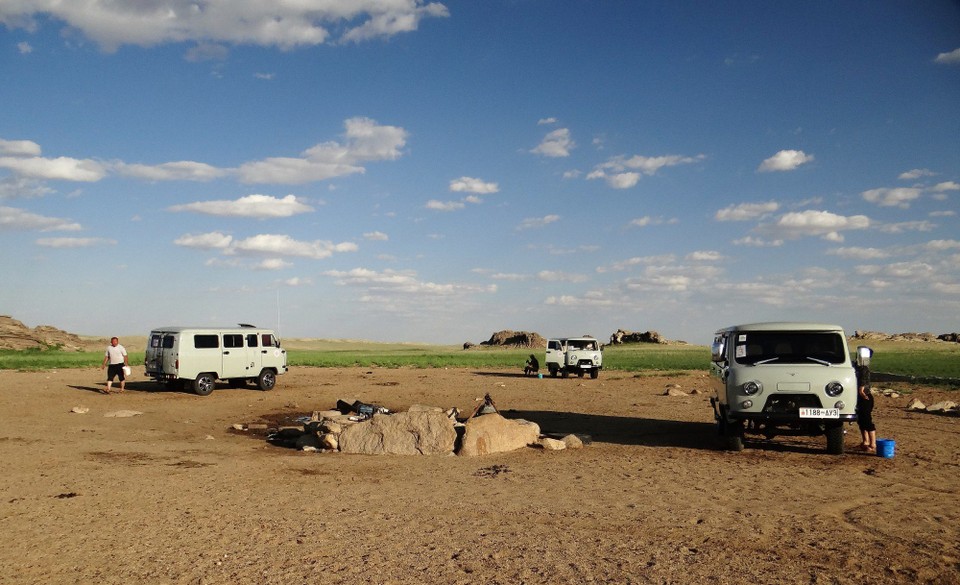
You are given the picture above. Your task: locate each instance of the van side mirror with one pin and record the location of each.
(718, 350)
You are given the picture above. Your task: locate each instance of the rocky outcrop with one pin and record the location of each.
(624, 336)
(420, 432)
(508, 338)
(878, 336)
(16, 335)
(491, 433)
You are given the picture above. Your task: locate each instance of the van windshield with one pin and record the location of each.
(789, 347)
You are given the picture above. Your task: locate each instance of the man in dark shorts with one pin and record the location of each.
(116, 358)
(868, 430)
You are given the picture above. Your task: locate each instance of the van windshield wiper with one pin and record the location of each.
(766, 361)
(819, 361)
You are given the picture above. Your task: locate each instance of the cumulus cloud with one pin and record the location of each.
(556, 144)
(376, 236)
(897, 197)
(538, 222)
(754, 242)
(906, 226)
(437, 205)
(746, 211)
(19, 148)
(365, 141)
(257, 206)
(14, 187)
(546, 121)
(286, 25)
(813, 223)
(856, 253)
(560, 276)
(622, 172)
(646, 220)
(61, 168)
(951, 58)
(284, 245)
(629, 263)
(208, 241)
(472, 185)
(14, 219)
(785, 160)
(915, 174)
(704, 256)
(946, 186)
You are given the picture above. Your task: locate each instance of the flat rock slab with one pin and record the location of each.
(403, 433)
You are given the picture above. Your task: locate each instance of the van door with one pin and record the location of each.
(235, 362)
(254, 357)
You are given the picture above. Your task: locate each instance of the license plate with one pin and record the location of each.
(819, 413)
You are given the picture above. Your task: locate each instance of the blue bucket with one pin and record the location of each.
(886, 447)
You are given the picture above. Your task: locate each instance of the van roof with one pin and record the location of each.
(231, 329)
(783, 326)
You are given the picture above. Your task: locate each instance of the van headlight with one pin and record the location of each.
(752, 387)
(834, 389)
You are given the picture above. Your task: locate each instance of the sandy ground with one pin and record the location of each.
(175, 496)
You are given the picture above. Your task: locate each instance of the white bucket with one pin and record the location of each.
(127, 371)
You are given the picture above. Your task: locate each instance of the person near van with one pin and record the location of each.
(868, 430)
(532, 366)
(116, 358)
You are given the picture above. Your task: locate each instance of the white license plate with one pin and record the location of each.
(819, 413)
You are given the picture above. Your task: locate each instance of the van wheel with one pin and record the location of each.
(267, 380)
(594, 374)
(564, 374)
(204, 384)
(834, 438)
(733, 435)
(553, 372)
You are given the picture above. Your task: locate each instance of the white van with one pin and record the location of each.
(782, 378)
(199, 356)
(574, 355)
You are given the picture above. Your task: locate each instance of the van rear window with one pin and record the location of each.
(206, 341)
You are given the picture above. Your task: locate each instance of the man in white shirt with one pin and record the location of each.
(116, 358)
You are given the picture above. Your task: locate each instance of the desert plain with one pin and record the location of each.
(177, 495)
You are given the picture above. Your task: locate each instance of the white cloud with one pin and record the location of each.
(400, 281)
(914, 174)
(813, 223)
(647, 220)
(14, 219)
(74, 242)
(785, 160)
(19, 148)
(208, 241)
(472, 185)
(283, 245)
(555, 144)
(704, 256)
(637, 261)
(538, 222)
(257, 206)
(947, 213)
(560, 276)
(746, 211)
(946, 186)
(546, 121)
(376, 236)
(60, 168)
(753, 242)
(906, 226)
(951, 58)
(24, 48)
(897, 197)
(860, 253)
(365, 141)
(172, 171)
(272, 24)
(20, 187)
(437, 205)
(621, 172)
(272, 264)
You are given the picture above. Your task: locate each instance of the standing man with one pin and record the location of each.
(868, 430)
(116, 357)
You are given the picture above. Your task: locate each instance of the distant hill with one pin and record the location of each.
(16, 335)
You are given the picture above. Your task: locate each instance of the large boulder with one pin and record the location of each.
(491, 433)
(624, 336)
(404, 433)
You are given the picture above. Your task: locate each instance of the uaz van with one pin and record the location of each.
(775, 379)
(574, 355)
(199, 356)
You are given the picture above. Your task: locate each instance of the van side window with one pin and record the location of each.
(232, 340)
(206, 341)
(554, 345)
(252, 340)
(268, 340)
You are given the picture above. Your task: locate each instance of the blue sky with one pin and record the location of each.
(398, 170)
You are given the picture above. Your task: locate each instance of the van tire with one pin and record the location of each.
(733, 435)
(553, 372)
(834, 432)
(594, 374)
(204, 384)
(267, 379)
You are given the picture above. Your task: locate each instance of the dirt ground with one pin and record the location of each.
(176, 496)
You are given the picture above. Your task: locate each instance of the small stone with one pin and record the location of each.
(122, 413)
(549, 444)
(573, 442)
(674, 390)
(257, 427)
(238, 427)
(80, 410)
(916, 404)
(943, 406)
